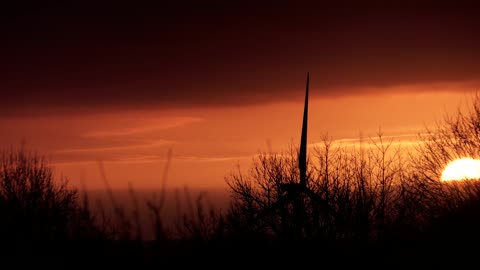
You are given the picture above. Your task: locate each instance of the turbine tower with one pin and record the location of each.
(295, 193)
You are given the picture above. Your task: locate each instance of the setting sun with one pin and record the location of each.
(462, 169)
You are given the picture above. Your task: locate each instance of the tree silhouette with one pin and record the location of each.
(350, 193)
(452, 206)
(36, 207)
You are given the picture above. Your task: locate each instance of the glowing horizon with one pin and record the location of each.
(209, 143)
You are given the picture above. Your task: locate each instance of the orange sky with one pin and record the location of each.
(83, 82)
(208, 143)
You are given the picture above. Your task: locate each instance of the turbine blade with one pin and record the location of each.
(324, 206)
(302, 157)
(316, 197)
(275, 206)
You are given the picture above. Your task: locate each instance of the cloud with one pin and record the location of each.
(148, 145)
(131, 158)
(157, 125)
(410, 139)
(75, 58)
(212, 158)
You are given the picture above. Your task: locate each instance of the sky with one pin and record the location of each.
(219, 81)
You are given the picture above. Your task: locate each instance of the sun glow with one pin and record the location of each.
(462, 169)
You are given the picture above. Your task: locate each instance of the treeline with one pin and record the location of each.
(377, 194)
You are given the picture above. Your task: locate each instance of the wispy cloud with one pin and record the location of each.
(151, 144)
(401, 139)
(143, 159)
(163, 124)
(212, 159)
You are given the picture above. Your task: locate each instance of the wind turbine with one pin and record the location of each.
(294, 192)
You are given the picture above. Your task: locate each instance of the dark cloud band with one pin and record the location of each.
(100, 57)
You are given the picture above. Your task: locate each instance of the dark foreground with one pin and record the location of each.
(426, 252)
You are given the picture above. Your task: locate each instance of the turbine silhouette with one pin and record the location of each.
(294, 193)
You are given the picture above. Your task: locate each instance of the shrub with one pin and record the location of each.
(34, 206)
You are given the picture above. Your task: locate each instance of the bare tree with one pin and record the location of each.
(361, 183)
(34, 205)
(457, 136)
